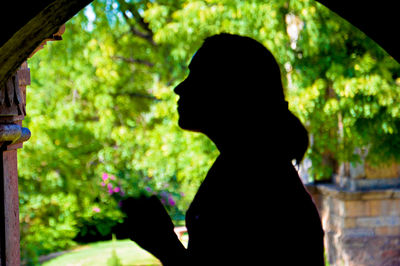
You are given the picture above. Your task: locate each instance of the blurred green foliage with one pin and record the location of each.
(102, 101)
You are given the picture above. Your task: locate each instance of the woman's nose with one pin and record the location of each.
(179, 89)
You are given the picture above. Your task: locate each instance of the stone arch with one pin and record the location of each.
(29, 23)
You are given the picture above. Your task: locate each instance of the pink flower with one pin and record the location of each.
(103, 184)
(109, 186)
(110, 191)
(96, 209)
(171, 201)
(116, 189)
(122, 193)
(148, 189)
(112, 177)
(104, 176)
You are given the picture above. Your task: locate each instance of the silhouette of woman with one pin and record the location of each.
(252, 208)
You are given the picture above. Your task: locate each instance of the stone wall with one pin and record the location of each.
(361, 227)
(362, 176)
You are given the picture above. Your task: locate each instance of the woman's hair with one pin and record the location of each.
(246, 63)
(297, 138)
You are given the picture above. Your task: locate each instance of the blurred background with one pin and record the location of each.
(103, 118)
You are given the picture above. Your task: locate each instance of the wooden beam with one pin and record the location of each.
(42, 26)
(377, 19)
(10, 248)
(12, 135)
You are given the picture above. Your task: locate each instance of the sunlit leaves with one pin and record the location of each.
(343, 81)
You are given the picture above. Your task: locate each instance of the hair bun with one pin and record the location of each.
(297, 138)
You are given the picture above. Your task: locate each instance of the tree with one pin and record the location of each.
(344, 86)
(103, 117)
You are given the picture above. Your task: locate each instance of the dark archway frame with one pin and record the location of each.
(29, 23)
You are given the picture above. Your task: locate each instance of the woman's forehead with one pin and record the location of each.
(194, 62)
(206, 60)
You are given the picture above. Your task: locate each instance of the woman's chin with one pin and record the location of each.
(187, 125)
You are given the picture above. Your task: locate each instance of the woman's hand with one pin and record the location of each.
(149, 225)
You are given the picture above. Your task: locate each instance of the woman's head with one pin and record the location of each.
(234, 82)
(241, 65)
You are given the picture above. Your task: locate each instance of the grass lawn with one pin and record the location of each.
(100, 252)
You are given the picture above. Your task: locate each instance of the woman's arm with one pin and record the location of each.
(172, 253)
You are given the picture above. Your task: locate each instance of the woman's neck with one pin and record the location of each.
(263, 140)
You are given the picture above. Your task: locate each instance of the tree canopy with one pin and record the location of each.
(103, 118)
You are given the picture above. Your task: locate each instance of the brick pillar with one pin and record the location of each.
(362, 228)
(12, 135)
